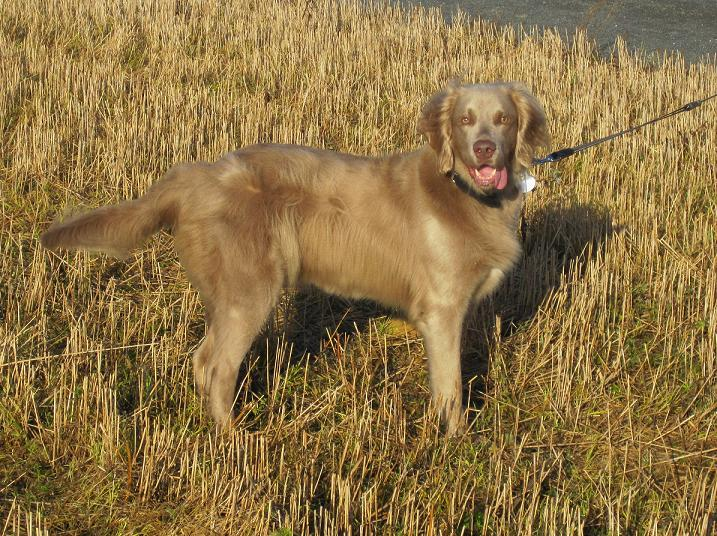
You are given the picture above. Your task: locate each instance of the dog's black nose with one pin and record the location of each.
(484, 149)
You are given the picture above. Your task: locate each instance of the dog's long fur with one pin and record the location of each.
(394, 229)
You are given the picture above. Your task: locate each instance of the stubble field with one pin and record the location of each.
(592, 372)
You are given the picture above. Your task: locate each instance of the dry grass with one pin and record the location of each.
(599, 411)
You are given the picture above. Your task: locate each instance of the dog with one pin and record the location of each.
(425, 232)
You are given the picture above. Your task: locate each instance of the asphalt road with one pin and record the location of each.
(686, 26)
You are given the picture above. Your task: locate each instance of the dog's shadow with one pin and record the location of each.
(306, 324)
(557, 241)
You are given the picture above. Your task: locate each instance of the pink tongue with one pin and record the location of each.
(500, 179)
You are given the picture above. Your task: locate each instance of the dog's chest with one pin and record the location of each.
(491, 244)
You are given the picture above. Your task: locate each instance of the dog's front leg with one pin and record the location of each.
(441, 332)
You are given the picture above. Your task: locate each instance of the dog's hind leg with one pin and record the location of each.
(230, 333)
(239, 286)
(202, 355)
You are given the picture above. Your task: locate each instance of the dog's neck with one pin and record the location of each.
(445, 186)
(493, 199)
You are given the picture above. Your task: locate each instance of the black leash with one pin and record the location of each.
(570, 151)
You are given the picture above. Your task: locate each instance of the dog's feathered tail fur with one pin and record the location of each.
(117, 229)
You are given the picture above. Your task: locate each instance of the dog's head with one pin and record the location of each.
(484, 132)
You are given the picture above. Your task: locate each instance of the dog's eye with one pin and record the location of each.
(503, 119)
(465, 120)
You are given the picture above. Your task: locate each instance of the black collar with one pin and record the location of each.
(491, 200)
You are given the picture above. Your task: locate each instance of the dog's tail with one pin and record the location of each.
(117, 229)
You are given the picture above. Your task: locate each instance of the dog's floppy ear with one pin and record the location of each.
(532, 126)
(435, 124)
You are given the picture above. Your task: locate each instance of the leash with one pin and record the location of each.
(570, 151)
(529, 181)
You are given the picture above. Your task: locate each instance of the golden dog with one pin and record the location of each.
(425, 232)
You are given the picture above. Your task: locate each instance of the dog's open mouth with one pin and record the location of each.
(487, 175)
